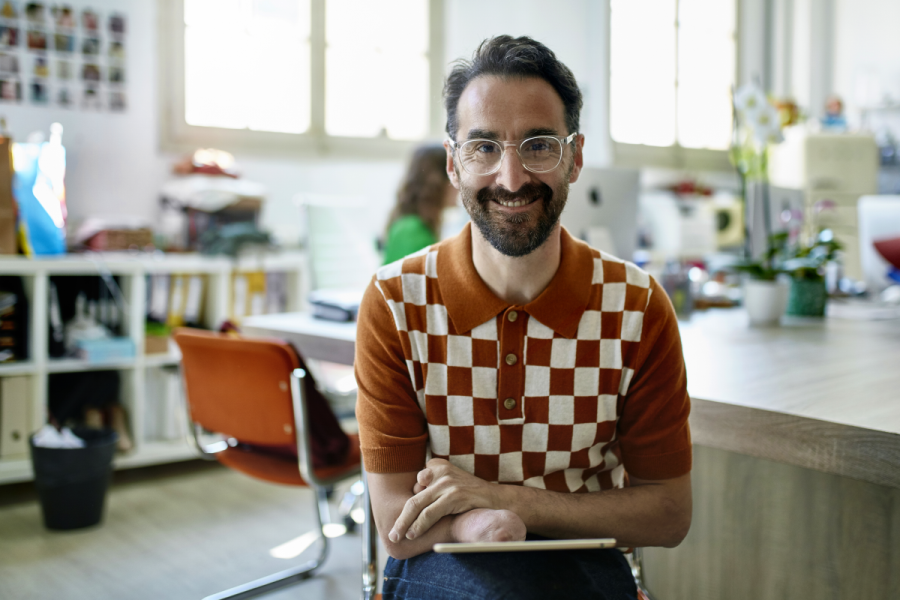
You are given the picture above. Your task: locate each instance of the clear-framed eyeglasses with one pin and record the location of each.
(540, 154)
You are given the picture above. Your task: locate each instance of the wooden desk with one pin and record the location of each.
(823, 394)
(314, 338)
(796, 473)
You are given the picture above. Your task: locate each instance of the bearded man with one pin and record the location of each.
(544, 378)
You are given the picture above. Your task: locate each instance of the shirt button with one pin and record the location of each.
(512, 316)
(509, 404)
(511, 359)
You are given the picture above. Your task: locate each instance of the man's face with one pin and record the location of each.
(515, 210)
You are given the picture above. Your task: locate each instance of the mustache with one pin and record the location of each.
(529, 191)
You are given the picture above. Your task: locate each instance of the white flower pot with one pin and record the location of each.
(765, 301)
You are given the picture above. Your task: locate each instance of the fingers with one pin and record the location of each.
(430, 515)
(418, 488)
(410, 513)
(425, 477)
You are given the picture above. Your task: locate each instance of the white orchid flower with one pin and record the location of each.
(749, 100)
(766, 125)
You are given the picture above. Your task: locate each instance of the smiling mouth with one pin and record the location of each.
(514, 203)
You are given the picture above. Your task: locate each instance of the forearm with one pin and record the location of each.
(392, 492)
(389, 495)
(404, 548)
(642, 515)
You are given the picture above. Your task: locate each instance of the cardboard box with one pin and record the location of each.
(15, 417)
(156, 344)
(8, 243)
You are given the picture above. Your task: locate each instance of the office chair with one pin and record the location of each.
(370, 555)
(257, 394)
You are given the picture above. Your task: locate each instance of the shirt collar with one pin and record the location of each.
(470, 302)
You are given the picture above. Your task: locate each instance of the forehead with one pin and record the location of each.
(509, 106)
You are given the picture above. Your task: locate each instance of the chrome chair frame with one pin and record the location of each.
(320, 486)
(369, 546)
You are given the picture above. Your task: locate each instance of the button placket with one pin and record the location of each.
(511, 372)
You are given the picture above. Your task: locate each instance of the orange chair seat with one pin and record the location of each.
(282, 468)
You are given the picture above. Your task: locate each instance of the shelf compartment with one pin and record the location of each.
(69, 365)
(163, 359)
(22, 367)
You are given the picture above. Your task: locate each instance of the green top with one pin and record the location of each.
(408, 234)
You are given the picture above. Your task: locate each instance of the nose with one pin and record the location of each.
(512, 175)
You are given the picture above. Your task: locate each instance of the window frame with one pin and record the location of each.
(176, 135)
(674, 156)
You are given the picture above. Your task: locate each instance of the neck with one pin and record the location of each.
(517, 280)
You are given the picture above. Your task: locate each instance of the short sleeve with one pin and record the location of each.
(392, 429)
(653, 428)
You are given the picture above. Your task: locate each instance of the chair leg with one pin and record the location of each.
(369, 547)
(291, 576)
(637, 570)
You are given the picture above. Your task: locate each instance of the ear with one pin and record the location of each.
(451, 165)
(579, 158)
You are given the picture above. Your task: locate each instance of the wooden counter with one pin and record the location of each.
(822, 394)
(796, 476)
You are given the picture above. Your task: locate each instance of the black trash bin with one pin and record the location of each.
(72, 482)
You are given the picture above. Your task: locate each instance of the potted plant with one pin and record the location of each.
(765, 293)
(806, 266)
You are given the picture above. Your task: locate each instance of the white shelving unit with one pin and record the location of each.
(132, 271)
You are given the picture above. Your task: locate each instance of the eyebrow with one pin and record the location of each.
(485, 134)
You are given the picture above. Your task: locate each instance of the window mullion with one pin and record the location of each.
(436, 66)
(677, 143)
(317, 68)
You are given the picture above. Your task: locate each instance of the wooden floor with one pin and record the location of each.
(173, 532)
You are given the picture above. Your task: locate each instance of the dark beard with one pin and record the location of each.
(521, 233)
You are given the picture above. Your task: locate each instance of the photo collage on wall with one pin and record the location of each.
(62, 55)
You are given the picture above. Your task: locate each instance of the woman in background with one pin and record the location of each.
(415, 221)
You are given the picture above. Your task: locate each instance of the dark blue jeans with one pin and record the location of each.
(602, 574)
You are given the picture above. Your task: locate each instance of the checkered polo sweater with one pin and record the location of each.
(567, 393)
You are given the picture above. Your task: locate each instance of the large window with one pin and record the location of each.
(308, 75)
(672, 68)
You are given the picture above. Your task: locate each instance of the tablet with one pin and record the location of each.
(528, 545)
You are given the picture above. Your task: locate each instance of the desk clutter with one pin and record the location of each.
(336, 304)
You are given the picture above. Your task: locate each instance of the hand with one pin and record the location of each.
(442, 489)
(486, 525)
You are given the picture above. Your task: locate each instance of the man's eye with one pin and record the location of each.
(538, 146)
(485, 148)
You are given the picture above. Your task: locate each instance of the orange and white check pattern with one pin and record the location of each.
(512, 400)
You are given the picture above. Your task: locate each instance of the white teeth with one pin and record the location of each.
(512, 203)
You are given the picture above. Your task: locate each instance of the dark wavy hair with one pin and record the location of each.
(508, 57)
(423, 188)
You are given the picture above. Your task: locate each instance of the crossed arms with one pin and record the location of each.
(442, 503)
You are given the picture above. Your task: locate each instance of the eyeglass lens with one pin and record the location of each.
(539, 154)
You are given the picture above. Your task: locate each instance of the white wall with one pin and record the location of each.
(113, 166)
(867, 61)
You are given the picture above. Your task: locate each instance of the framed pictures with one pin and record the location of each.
(63, 55)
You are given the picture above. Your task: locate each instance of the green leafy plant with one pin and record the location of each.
(807, 261)
(769, 266)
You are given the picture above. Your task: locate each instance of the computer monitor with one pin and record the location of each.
(602, 209)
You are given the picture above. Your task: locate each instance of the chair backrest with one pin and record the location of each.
(239, 387)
